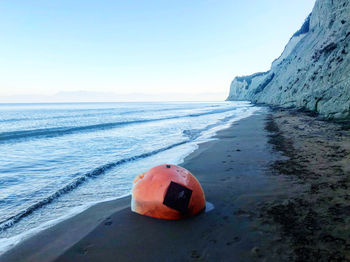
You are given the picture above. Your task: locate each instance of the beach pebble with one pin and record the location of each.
(256, 252)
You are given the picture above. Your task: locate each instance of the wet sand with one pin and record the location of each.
(279, 184)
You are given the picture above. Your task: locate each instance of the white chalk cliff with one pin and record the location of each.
(313, 72)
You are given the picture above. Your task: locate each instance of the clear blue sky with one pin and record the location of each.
(149, 47)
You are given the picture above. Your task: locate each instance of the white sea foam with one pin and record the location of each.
(115, 180)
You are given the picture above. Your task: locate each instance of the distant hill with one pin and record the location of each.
(92, 96)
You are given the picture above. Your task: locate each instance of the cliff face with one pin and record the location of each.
(313, 72)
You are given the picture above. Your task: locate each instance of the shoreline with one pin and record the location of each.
(262, 176)
(191, 147)
(62, 241)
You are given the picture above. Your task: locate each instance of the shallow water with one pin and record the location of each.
(209, 207)
(57, 159)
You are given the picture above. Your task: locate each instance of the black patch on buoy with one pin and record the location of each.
(168, 166)
(177, 197)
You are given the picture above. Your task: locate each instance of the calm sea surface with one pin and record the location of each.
(58, 159)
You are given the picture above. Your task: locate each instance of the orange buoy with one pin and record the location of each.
(167, 192)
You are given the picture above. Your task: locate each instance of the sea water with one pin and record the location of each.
(58, 159)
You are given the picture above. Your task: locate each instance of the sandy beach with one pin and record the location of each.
(278, 181)
(114, 114)
(313, 225)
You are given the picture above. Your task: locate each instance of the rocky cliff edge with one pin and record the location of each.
(313, 72)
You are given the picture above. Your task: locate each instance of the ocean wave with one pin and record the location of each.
(16, 136)
(111, 111)
(195, 133)
(10, 221)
